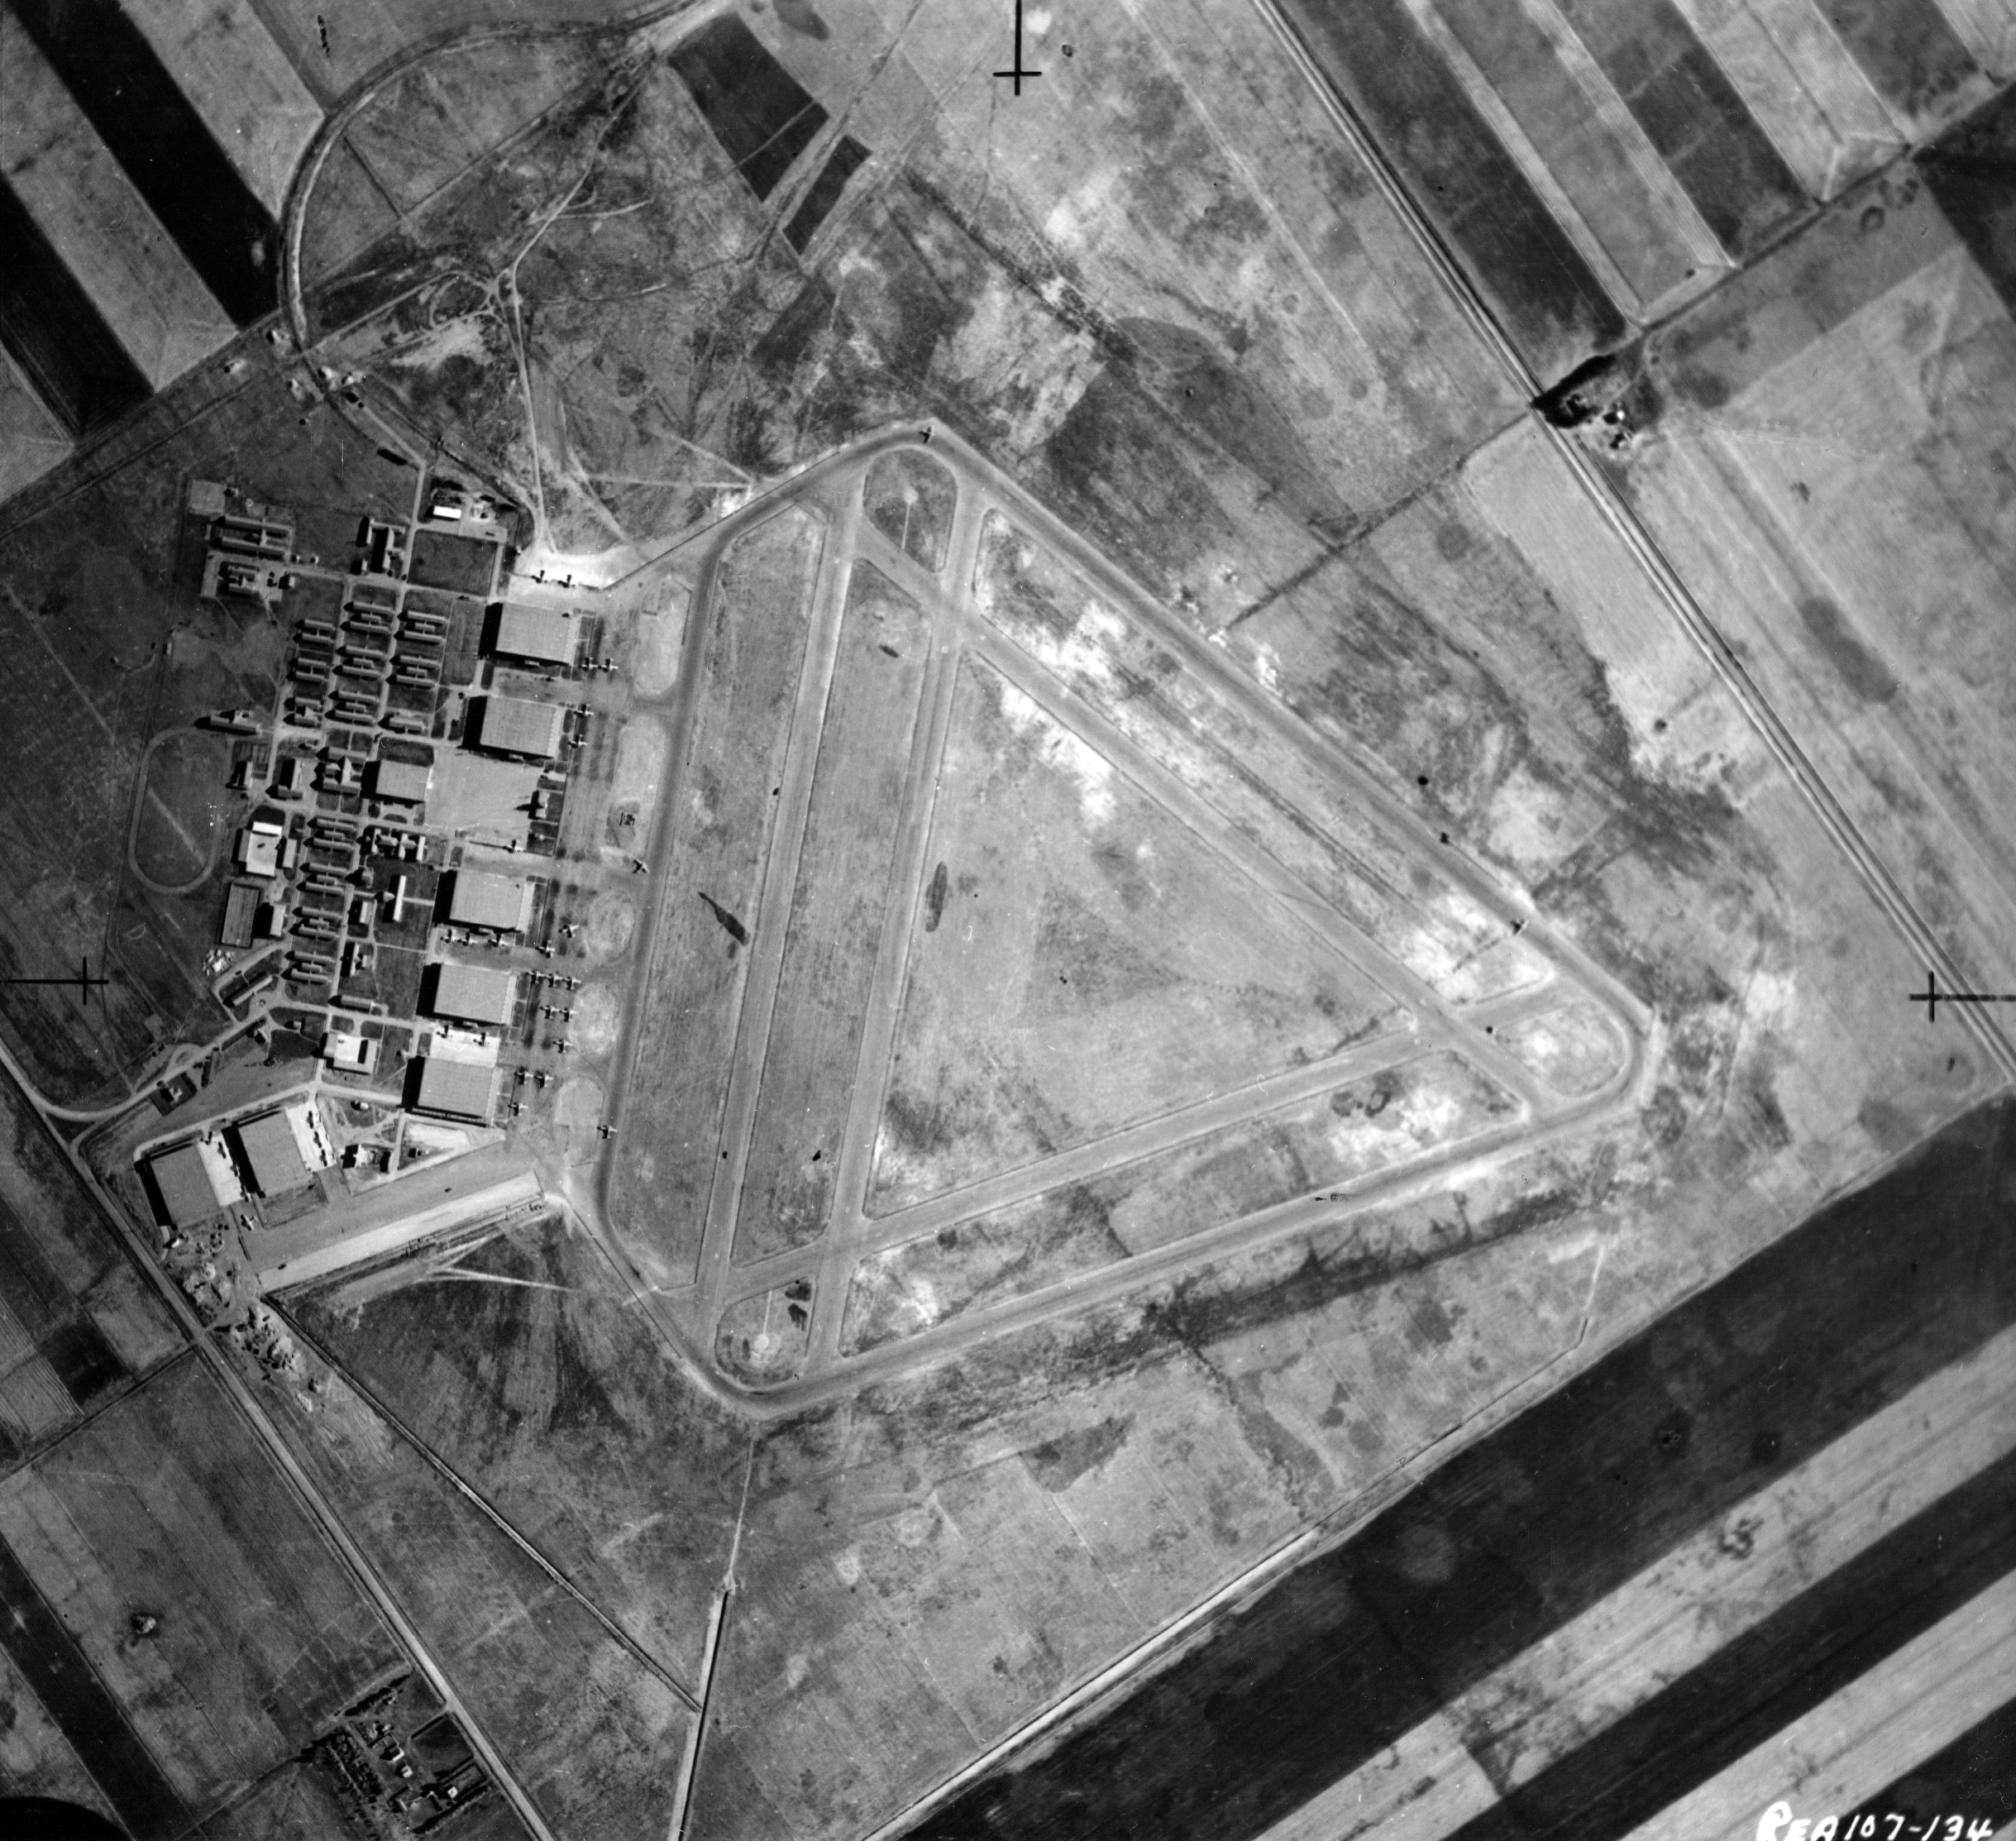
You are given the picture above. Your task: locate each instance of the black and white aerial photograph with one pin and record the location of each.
(1008, 920)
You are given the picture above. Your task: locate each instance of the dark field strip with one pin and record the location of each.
(717, 838)
(1974, 1778)
(1775, 1673)
(758, 110)
(1526, 1529)
(824, 193)
(1904, 47)
(162, 143)
(71, 1343)
(56, 334)
(1971, 171)
(1553, 308)
(1691, 112)
(63, 1679)
(837, 912)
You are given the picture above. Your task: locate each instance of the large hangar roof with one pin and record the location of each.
(515, 725)
(462, 1089)
(185, 1185)
(272, 1155)
(544, 634)
(473, 993)
(482, 899)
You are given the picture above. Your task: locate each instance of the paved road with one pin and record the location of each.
(320, 1509)
(832, 488)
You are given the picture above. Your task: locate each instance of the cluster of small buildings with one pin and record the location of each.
(377, 665)
(344, 790)
(247, 560)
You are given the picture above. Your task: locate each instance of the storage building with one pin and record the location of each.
(544, 635)
(401, 783)
(359, 1053)
(183, 1178)
(473, 993)
(481, 899)
(241, 912)
(515, 725)
(460, 1089)
(272, 1158)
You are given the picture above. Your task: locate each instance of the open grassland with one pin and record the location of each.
(925, 1571)
(1574, 1046)
(910, 499)
(1271, 792)
(524, 1366)
(593, 1735)
(1082, 962)
(837, 910)
(163, 1502)
(716, 839)
(1380, 1123)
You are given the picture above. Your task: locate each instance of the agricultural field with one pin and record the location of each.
(1267, 734)
(595, 1733)
(80, 1322)
(164, 1504)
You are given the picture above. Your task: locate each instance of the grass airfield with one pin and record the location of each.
(1209, 935)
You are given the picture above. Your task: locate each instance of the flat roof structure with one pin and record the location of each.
(272, 1155)
(481, 899)
(474, 993)
(241, 912)
(546, 634)
(516, 725)
(342, 1049)
(259, 853)
(184, 1181)
(403, 782)
(462, 1089)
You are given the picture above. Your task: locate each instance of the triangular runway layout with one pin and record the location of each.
(1075, 961)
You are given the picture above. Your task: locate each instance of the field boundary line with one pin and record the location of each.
(463, 1487)
(1307, 1543)
(1659, 569)
(717, 1626)
(363, 1573)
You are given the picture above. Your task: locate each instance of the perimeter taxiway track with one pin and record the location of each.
(830, 488)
